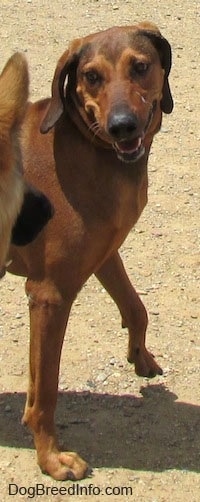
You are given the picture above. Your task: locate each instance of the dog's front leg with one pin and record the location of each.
(48, 318)
(115, 280)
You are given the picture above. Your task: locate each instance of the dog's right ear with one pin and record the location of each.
(68, 59)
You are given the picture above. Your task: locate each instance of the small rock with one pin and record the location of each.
(91, 384)
(8, 408)
(101, 377)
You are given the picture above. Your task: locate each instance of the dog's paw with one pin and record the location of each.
(145, 364)
(65, 465)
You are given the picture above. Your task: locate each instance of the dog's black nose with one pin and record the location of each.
(122, 125)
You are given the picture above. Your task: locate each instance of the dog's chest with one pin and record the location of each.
(130, 201)
(112, 207)
(120, 196)
(105, 221)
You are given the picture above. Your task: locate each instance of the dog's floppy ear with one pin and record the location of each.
(164, 49)
(68, 59)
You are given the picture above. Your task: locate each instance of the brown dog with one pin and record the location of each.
(23, 210)
(108, 95)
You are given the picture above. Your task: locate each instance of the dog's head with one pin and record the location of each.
(118, 81)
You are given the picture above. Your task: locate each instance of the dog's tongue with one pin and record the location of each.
(129, 146)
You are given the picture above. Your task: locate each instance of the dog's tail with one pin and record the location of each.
(14, 88)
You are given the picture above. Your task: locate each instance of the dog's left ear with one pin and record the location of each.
(67, 61)
(164, 49)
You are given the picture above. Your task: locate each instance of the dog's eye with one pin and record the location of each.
(139, 68)
(92, 77)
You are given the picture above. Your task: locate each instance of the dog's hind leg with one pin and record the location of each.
(49, 313)
(115, 280)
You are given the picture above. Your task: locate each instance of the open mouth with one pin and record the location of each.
(130, 150)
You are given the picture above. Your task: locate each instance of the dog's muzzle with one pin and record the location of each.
(122, 127)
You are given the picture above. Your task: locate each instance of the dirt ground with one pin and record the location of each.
(139, 436)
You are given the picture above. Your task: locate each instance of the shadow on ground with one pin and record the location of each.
(153, 432)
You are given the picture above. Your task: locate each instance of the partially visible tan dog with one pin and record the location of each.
(108, 95)
(14, 82)
(15, 194)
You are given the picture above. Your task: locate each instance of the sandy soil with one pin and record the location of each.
(137, 434)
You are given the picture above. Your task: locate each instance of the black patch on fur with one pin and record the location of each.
(36, 211)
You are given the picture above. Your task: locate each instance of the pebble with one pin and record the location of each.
(18, 316)
(101, 377)
(165, 131)
(91, 384)
(8, 408)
